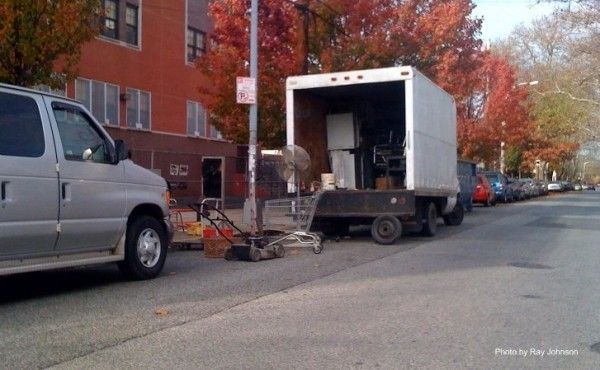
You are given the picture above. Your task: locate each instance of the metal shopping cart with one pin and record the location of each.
(292, 217)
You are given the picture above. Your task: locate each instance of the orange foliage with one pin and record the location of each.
(497, 111)
(228, 57)
(438, 38)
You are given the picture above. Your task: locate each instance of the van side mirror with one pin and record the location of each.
(121, 150)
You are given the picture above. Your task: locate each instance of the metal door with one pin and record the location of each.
(92, 191)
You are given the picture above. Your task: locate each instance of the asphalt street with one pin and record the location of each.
(515, 286)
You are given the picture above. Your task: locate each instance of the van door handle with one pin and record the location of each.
(3, 190)
(66, 191)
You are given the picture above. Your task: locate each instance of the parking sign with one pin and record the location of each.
(246, 90)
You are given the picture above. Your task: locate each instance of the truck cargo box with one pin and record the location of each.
(387, 128)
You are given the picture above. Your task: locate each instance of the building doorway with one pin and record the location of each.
(213, 177)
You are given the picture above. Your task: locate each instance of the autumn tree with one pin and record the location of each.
(497, 111)
(228, 57)
(438, 38)
(39, 37)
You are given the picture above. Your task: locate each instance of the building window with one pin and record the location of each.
(121, 21)
(131, 22)
(100, 98)
(196, 44)
(138, 109)
(196, 119)
(111, 19)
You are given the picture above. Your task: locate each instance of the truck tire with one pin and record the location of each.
(386, 229)
(429, 219)
(455, 218)
(145, 249)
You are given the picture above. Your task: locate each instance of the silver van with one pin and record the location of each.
(70, 196)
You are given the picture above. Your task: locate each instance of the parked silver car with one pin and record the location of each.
(70, 196)
(555, 186)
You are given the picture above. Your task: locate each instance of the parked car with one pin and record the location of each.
(567, 185)
(517, 189)
(467, 179)
(484, 193)
(70, 195)
(542, 188)
(577, 187)
(555, 186)
(530, 187)
(499, 182)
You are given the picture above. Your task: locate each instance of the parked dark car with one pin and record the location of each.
(467, 178)
(499, 182)
(567, 185)
(530, 188)
(518, 192)
(542, 187)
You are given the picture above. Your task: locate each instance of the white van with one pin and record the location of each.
(70, 196)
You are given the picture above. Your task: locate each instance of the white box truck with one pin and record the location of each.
(389, 136)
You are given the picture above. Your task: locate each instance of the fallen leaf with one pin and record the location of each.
(161, 312)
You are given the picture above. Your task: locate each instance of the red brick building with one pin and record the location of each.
(138, 78)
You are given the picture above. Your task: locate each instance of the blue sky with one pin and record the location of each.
(501, 16)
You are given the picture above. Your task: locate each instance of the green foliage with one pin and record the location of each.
(513, 159)
(40, 37)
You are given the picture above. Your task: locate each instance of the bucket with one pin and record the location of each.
(328, 181)
(211, 232)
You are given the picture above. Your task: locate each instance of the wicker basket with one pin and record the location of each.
(216, 247)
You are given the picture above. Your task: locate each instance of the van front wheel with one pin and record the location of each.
(145, 249)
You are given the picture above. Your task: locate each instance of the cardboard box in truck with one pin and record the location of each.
(389, 136)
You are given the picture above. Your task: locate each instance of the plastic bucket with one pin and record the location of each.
(328, 181)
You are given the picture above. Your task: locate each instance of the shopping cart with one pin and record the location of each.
(255, 247)
(292, 217)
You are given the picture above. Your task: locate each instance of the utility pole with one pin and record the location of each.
(253, 117)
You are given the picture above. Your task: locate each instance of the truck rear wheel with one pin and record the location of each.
(429, 220)
(455, 218)
(145, 249)
(386, 229)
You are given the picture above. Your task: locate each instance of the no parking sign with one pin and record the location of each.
(246, 90)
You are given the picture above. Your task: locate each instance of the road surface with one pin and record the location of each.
(514, 287)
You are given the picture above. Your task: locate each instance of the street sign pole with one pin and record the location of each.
(253, 117)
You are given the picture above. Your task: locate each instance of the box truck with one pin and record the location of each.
(389, 137)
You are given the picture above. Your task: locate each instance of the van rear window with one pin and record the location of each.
(21, 131)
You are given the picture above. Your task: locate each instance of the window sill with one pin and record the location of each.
(119, 43)
(113, 125)
(137, 129)
(206, 138)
